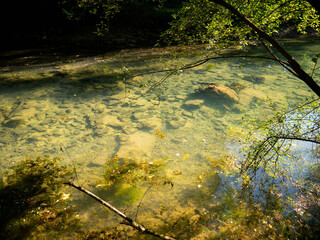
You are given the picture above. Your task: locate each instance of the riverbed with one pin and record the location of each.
(88, 110)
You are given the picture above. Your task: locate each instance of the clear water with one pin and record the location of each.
(85, 112)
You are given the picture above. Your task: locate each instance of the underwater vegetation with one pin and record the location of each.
(93, 117)
(132, 172)
(32, 201)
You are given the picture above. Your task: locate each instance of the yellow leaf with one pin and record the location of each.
(186, 156)
(160, 134)
(65, 196)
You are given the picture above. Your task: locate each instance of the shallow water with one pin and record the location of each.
(85, 112)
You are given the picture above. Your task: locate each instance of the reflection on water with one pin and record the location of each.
(85, 112)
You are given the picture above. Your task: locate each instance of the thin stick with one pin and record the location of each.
(200, 62)
(62, 146)
(284, 64)
(130, 221)
(138, 207)
(195, 64)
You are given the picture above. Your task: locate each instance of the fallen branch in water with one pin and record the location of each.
(129, 221)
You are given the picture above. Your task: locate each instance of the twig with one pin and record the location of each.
(62, 146)
(129, 221)
(196, 64)
(284, 64)
(315, 64)
(138, 207)
(200, 62)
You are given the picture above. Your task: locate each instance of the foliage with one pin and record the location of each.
(31, 200)
(105, 10)
(102, 10)
(258, 210)
(275, 201)
(128, 170)
(206, 21)
(190, 22)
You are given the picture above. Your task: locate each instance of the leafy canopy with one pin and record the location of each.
(206, 21)
(102, 10)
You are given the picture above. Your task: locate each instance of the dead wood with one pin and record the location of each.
(128, 220)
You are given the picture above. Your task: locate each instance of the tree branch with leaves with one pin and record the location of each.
(291, 62)
(232, 22)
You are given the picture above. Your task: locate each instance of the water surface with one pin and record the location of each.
(85, 111)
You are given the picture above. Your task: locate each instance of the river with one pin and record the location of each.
(84, 111)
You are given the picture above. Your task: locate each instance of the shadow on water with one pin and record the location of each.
(84, 79)
(30, 197)
(14, 205)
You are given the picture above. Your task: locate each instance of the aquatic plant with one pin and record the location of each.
(128, 170)
(32, 201)
(225, 164)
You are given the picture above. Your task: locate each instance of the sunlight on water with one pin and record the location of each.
(85, 112)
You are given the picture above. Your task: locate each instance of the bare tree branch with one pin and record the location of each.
(200, 62)
(196, 64)
(129, 221)
(284, 64)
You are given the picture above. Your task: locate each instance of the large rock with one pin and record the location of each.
(138, 146)
(219, 90)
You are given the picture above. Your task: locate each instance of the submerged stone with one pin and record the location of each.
(112, 121)
(98, 161)
(177, 123)
(150, 123)
(137, 146)
(194, 103)
(219, 90)
(237, 87)
(14, 122)
(254, 79)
